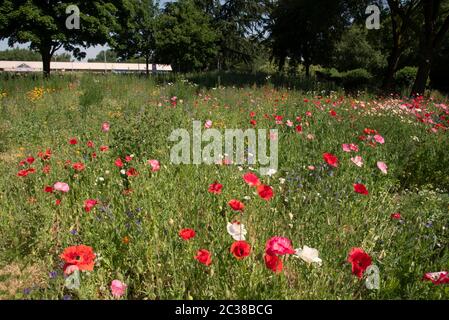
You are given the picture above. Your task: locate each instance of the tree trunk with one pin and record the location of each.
(425, 63)
(393, 59)
(307, 70)
(46, 60)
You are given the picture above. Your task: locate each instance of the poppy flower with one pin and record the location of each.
(251, 179)
(361, 189)
(237, 230)
(298, 129)
(78, 166)
(379, 139)
(360, 261)
(273, 262)
(253, 122)
(382, 167)
(396, 216)
(30, 160)
(279, 246)
(104, 148)
(90, 144)
(128, 158)
(118, 288)
(61, 186)
(105, 127)
(73, 141)
(330, 159)
(187, 234)
(90, 204)
(46, 169)
(132, 172)
(203, 256)
(81, 256)
(240, 249)
(155, 165)
(309, 255)
(215, 188)
(265, 192)
(44, 156)
(26, 172)
(208, 124)
(252, 114)
(48, 189)
(333, 113)
(437, 278)
(236, 205)
(350, 147)
(119, 163)
(358, 161)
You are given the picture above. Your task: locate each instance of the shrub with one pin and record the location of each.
(356, 78)
(406, 76)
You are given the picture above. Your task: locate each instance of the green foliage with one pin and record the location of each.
(185, 37)
(354, 51)
(406, 76)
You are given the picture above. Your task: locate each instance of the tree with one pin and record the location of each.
(436, 27)
(185, 37)
(20, 55)
(299, 32)
(403, 20)
(111, 56)
(136, 36)
(42, 23)
(354, 51)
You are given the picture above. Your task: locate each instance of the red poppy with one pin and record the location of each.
(360, 188)
(330, 159)
(252, 114)
(236, 205)
(203, 256)
(128, 158)
(48, 189)
(30, 160)
(90, 144)
(44, 156)
(119, 163)
(396, 216)
(187, 234)
(25, 173)
(80, 256)
(265, 192)
(253, 122)
(78, 166)
(333, 113)
(251, 179)
(240, 249)
(104, 148)
(90, 204)
(274, 263)
(73, 141)
(58, 202)
(298, 129)
(360, 261)
(132, 172)
(215, 188)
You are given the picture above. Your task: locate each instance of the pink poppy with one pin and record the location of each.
(118, 288)
(350, 147)
(379, 139)
(208, 124)
(358, 161)
(382, 167)
(105, 127)
(61, 186)
(279, 246)
(155, 165)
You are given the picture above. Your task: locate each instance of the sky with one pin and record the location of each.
(91, 52)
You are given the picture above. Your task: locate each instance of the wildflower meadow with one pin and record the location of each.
(93, 207)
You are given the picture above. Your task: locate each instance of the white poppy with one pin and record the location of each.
(237, 231)
(309, 255)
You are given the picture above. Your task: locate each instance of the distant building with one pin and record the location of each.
(36, 66)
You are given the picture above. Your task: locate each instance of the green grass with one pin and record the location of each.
(314, 208)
